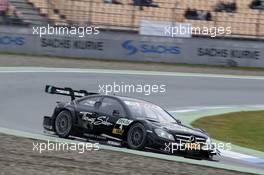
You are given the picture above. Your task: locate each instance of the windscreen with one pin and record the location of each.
(149, 111)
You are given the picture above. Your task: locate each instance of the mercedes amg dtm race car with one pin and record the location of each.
(123, 121)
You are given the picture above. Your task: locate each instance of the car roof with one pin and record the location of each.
(122, 98)
(131, 99)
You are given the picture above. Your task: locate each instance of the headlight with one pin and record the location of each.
(163, 134)
(208, 141)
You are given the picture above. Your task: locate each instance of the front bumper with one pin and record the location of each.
(48, 123)
(179, 149)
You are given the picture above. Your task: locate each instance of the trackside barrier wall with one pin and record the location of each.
(133, 47)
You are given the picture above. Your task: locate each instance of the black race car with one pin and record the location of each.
(124, 121)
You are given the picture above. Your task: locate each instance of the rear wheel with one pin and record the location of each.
(63, 124)
(136, 137)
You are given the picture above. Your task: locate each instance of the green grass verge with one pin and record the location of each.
(241, 128)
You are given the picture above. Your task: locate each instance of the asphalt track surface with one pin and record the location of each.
(24, 103)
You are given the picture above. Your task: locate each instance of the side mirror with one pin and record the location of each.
(116, 113)
(178, 121)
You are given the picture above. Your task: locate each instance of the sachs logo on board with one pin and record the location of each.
(12, 40)
(150, 48)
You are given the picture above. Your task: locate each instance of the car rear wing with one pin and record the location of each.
(67, 91)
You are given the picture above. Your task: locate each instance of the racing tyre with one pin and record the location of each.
(63, 124)
(136, 137)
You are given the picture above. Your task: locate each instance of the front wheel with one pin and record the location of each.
(63, 124)
(136, 137)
